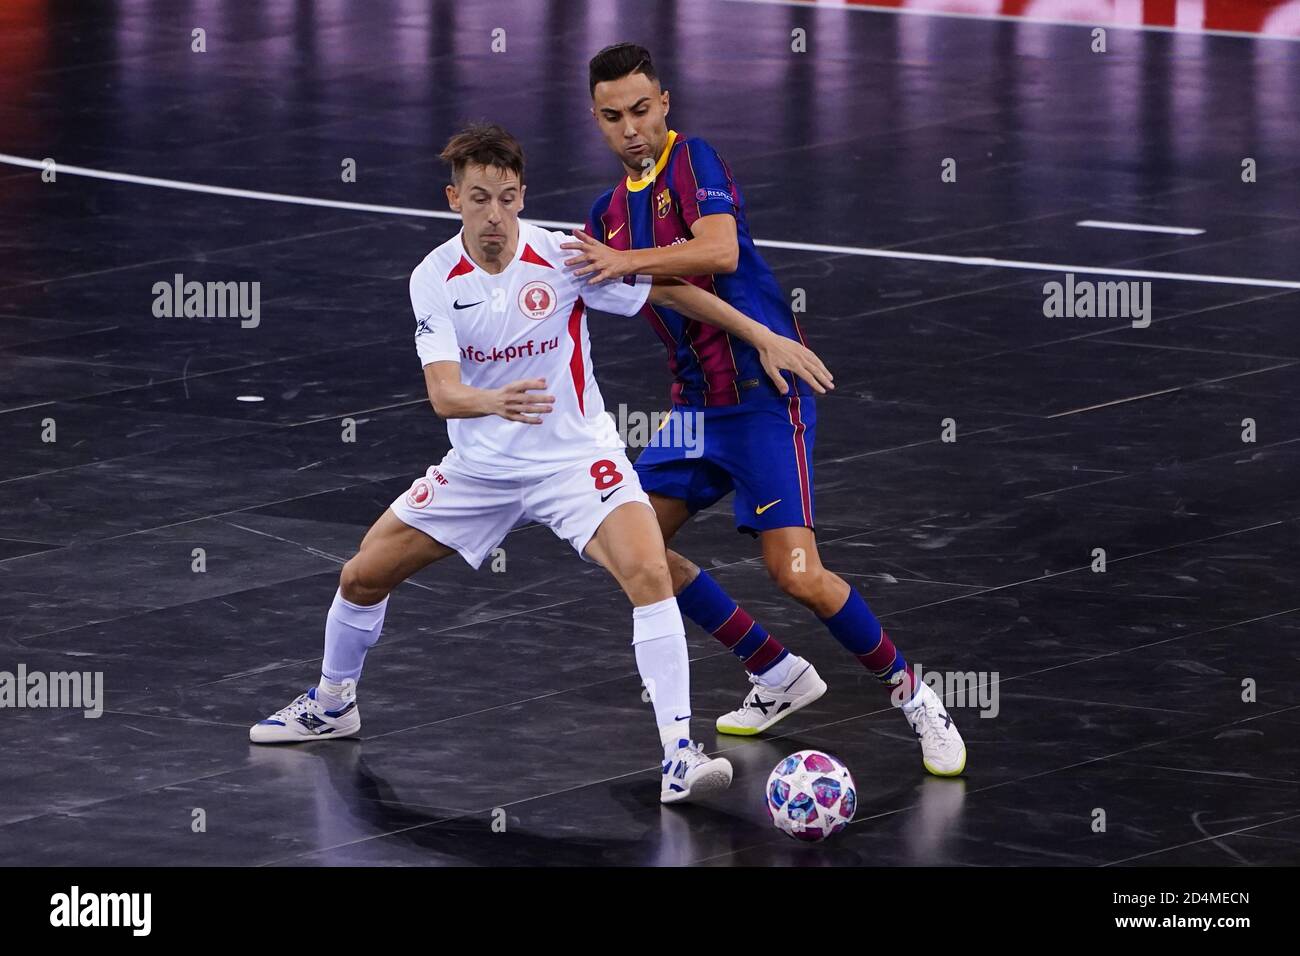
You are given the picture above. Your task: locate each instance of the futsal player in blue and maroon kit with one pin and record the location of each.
(678, 212)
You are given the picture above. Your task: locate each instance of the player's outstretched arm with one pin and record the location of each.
(712, 249)
(515, 402)
(776, 352)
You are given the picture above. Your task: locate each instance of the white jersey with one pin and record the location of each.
(529, 321)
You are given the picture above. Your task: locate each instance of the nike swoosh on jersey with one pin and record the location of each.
(467, 305)
(761, 508)
(607, 497)
(615, 232)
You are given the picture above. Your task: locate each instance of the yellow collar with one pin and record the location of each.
(636, 185)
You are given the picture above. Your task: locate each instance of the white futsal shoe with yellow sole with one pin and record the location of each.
(764, 706)
(942, 750)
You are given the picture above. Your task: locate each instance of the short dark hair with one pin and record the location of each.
(617, 61)
(483, 144)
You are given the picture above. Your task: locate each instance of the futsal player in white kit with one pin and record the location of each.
(501, 331)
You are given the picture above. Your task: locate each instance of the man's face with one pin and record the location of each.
(489, 200)
(632, 113)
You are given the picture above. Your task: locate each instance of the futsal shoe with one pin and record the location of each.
(307, 719)
(690, 774)
(942, 750)
(766, 705)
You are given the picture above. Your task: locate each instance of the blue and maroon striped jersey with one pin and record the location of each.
(691, 180)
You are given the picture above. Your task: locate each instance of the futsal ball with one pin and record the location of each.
(810, 795)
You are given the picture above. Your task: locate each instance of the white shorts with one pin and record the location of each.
(473, 514)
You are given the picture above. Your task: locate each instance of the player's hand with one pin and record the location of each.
(596, 259)
(518, 401)
(777, 353)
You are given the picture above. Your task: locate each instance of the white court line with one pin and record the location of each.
(1034, 266)
(982, 261)
(1138, 227)
(1004, 18)
(242, 193)
(1166, 391)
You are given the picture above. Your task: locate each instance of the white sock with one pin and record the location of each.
(781, 674)
(332, 694)
(350, 631)
(659, 641)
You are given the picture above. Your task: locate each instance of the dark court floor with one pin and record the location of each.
(1161, 696)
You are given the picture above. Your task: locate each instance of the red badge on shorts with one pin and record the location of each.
(537, 300)
(421, 493)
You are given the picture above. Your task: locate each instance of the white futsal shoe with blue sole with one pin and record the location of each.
(690, 774)
(307, 719)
